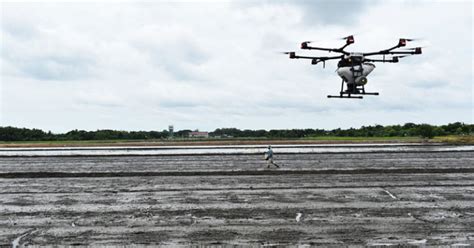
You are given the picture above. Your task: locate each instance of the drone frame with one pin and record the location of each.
(356, 89)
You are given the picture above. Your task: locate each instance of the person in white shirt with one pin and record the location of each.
(269, 157)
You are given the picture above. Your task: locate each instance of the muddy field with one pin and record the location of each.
(380, 198)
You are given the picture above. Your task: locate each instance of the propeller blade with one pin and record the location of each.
(412, 48)
(403, 41)
(292, 54)
(347, 37)
(416, 50)
(412, 39)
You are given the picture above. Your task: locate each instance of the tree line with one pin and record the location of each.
(408, 129)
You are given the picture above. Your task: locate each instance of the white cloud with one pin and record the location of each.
(142, 66)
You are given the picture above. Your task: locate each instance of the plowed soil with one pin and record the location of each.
(369, 199)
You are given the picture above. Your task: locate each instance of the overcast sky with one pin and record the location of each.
(206, 65)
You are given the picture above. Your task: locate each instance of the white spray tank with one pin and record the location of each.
(361, 72)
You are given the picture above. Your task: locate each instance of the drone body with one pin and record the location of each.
(354, 68)
(353, 71)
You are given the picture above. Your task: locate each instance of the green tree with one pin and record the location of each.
(426, 131)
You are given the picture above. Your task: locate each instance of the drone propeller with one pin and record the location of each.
(347, 37)
(412, 39)
(403, 41)
(304, 44)
(412, 49)
(328, 39)
(292, 54)
(416, 50)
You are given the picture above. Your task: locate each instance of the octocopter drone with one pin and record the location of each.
(354, 68)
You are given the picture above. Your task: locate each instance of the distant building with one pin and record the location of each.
(171, 130)
(199, 135)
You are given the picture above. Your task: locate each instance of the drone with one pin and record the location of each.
(354, 68)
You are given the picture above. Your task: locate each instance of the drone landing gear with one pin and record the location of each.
(348, 96)
(353, 89)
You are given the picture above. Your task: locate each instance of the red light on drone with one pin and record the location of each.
(304, 45)
(402, 42)
(350, 39)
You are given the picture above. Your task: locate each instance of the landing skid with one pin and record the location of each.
(366, 93)
(343, 96)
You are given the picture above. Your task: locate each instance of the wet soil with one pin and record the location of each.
(401, 199)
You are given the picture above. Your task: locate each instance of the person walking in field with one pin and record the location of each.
(269, 157)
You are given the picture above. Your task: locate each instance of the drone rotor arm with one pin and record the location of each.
(412, 52)
(305, 46)
(342, 48)
(393, 60)
(349, 40)
(323, 59)
(332, 57)
(304, 57)
(401, 43)
(386, 52)
(294, 56)
(381, 52)
(314, 60)
(318, 48)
